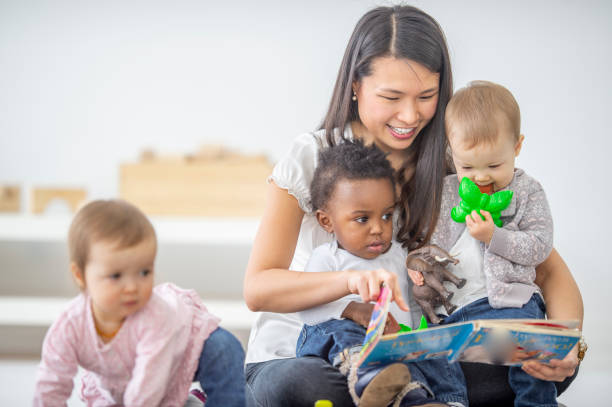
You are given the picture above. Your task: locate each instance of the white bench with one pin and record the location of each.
(35, 315)
(42, 311)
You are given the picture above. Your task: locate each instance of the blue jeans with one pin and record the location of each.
(326, 340)
(299, 382)
(221, 370)
(529, 391)
(295, 382)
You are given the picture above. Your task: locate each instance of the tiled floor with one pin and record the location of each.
(17, 386)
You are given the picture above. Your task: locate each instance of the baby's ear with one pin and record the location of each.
(324, 220)
(78, 275)
(518, 145)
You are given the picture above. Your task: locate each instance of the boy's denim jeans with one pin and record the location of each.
(328, 339)
(529, 390)
(221, 370)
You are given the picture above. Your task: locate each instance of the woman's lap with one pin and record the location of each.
(295, 382)
(488, 384)
(300, 382)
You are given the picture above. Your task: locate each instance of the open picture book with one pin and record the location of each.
(493, 341)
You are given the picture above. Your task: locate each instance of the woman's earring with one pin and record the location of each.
(354, 97)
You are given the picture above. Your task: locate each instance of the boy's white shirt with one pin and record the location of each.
(470, 267)
(329, 257)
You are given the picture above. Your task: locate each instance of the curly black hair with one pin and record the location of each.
(348, 160)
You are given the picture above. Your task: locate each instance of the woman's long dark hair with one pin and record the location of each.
(401, 32)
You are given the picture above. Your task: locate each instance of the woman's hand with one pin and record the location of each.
(367, 284)
(361, 313)
(563, 301)
(555, 371)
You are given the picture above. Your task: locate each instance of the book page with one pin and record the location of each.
(512, 345)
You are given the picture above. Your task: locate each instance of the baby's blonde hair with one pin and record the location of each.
(114, 221)
(481, 109)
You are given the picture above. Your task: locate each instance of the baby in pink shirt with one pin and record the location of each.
(140, 345)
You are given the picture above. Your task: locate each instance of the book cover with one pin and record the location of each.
(376, 326)
(502, 341)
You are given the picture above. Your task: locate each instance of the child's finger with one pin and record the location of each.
(399, 300)
(363, 291)
(390, 280)
(487, 215)
(476, 217)
(374, 289)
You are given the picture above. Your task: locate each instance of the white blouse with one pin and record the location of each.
(274, 335)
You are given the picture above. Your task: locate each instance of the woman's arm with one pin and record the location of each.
(560, 291)
(269, 285)
(563, 301)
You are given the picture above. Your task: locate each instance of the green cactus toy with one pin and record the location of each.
(406, 328)
(474, 200)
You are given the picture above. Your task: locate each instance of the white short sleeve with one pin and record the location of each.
(274, 335)
(295, 170)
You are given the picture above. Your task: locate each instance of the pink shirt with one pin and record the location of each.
(151, 361)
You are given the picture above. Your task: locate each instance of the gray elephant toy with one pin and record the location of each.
(431, 261)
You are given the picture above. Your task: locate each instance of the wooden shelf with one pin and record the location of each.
(42, 311)
(191, 230)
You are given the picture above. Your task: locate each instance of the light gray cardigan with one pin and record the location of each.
(524, 241)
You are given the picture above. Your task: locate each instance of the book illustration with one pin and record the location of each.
(494, 341)
(506, 345)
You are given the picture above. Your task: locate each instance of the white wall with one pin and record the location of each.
(87, 85)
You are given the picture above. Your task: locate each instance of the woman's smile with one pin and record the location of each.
(402, 133)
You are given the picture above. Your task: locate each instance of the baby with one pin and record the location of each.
(353, 197)
(139, 345)
(483, 130)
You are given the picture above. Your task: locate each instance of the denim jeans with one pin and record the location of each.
(326, 340)
(221, 370)
(528, 390)
(296, 382)
(300, 382)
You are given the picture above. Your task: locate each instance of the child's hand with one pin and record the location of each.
(361, 313)
(480, 229)
(416, 277)
(391, 325)
(367, 284)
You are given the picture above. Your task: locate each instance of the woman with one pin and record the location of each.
(392, 90)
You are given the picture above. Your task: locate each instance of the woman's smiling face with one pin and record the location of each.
(395, 102)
